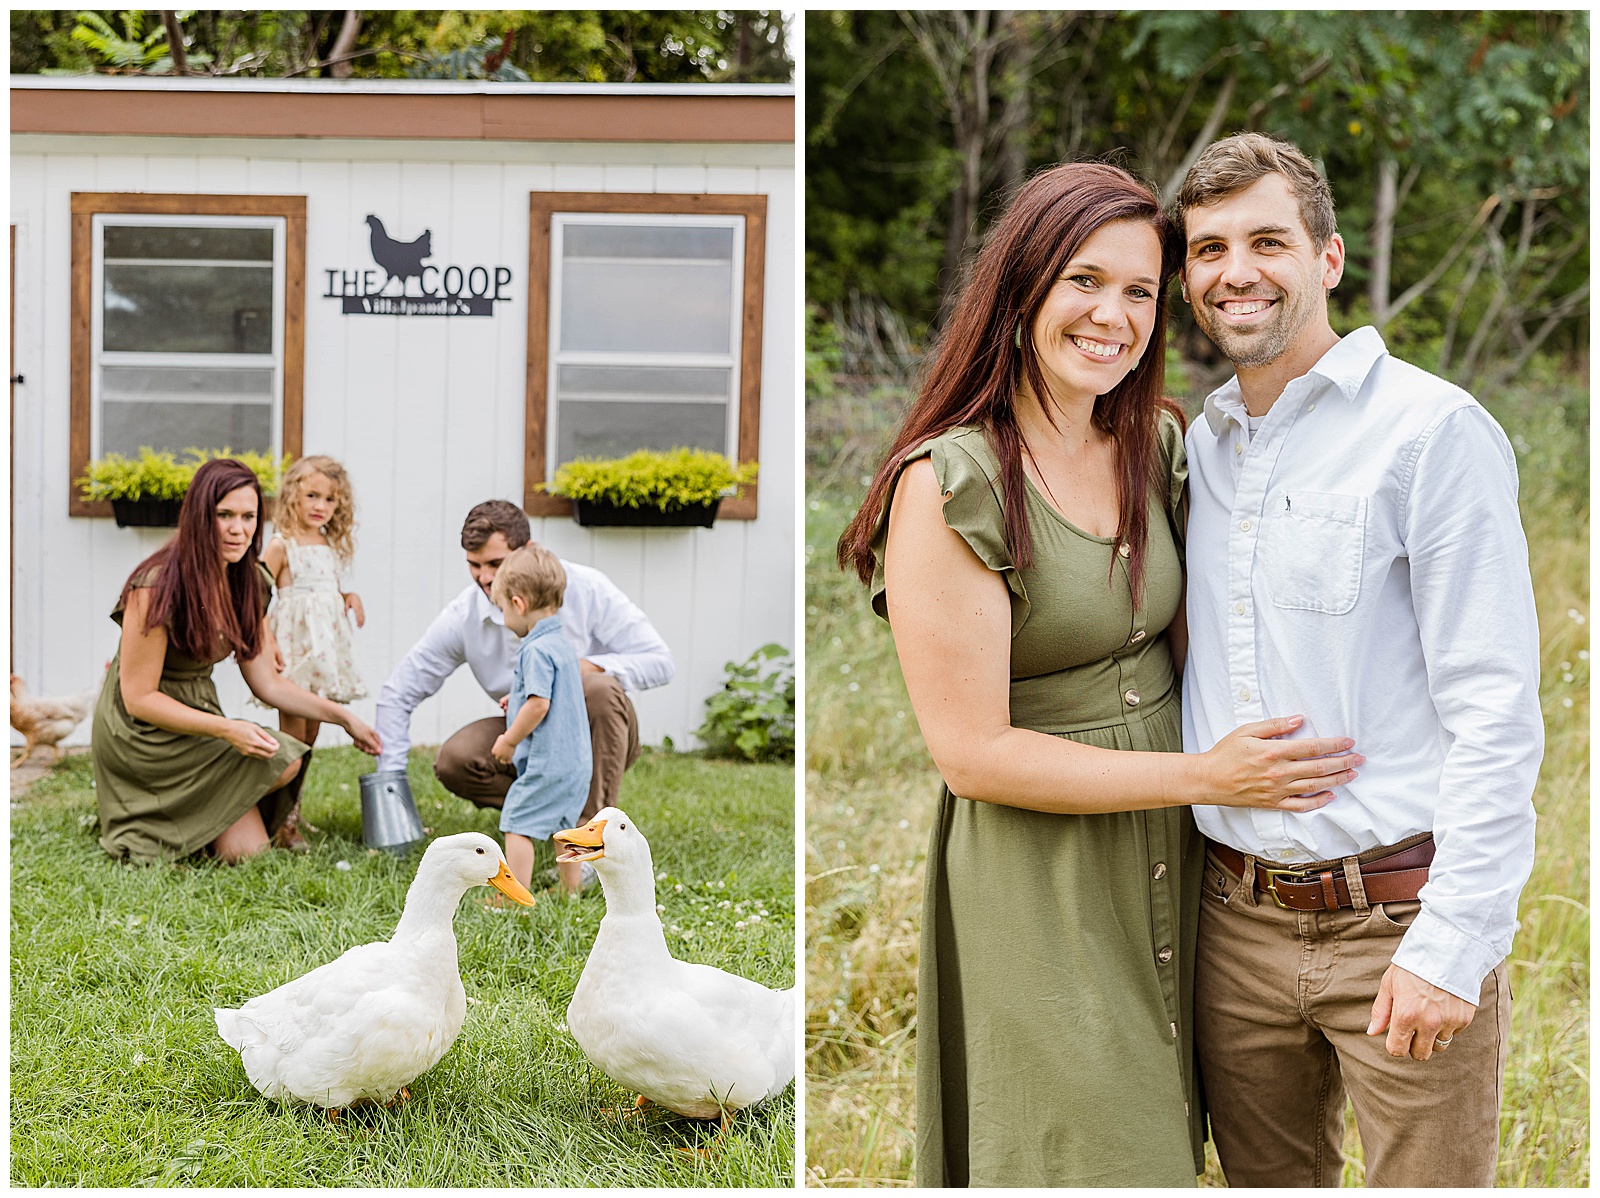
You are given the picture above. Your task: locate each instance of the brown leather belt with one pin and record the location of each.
(1323, 886)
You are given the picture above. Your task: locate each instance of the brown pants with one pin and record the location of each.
(1282, 1004)
(466, 767)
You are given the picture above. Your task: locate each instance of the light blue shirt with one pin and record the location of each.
(554, 761)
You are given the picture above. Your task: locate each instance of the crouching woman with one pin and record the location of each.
(173, 774)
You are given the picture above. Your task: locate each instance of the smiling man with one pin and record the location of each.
(1355, 555)
(618, 649)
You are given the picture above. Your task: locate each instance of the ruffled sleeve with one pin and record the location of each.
(968, 474)
(1175, 462)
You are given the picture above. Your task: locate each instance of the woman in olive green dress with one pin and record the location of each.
(1023, 538)
(173, 775)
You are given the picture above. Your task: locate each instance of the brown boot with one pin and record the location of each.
(288, 834)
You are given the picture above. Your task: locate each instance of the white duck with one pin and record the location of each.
(695, 1039)
(367, 1024)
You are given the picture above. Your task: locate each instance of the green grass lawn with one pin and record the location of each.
(870, 793)
(118, 1076)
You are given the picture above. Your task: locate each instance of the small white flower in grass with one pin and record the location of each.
(845, 668)
(849, 810)
(1566, 678)
(678, 889)
(688, 933)
(344, 786)
(873, 868)
(1583, 655)
(763, 911)
(753, 918)
(904, 824)
(855, 686)
(1566, 702)
(140, 1059)
(810, 549)
(473, 1001)
(662, 876)
(660, 907)
(738, 923)
(899, 715)
(815, 505)
(344, 865)
(841, 846)
(833, 1018)
(674, 928)
(724, 904)
(1566, 665)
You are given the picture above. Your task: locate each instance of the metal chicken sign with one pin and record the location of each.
(440, 291)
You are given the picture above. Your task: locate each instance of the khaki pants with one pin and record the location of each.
(466, 767)
(1282, 1004)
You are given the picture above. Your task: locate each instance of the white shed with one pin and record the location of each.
(552, 270)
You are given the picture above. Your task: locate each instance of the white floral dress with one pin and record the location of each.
(313, 632)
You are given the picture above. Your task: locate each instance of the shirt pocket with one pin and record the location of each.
(1312, 546)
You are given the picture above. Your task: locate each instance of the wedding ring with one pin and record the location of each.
(1444, 1043)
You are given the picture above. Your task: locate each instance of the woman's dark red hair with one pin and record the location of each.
(201, 599)
(974, 376)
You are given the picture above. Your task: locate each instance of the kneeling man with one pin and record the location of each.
(1354, 554)
(618, 651)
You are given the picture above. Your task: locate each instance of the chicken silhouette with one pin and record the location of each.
(400, 259)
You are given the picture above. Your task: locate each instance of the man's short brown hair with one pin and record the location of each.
(495, 516)
(534, 575)
(1237, 162)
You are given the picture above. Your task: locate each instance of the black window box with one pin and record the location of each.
(592, 513)
(146, 513)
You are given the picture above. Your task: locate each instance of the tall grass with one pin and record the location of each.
(870, 792)
(118, 1076)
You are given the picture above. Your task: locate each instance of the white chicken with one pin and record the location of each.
(693, 1038)
(368, 1024)
(48, 721)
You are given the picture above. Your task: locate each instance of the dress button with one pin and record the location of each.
(1136, 637)
(1131, 698)
(1164, 955)
(1245, 525)
(1125, 550)
(1160, 871)
(1244, 694)
(1174, 1031)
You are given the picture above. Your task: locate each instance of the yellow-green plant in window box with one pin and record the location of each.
(650, 488)
(147, 491)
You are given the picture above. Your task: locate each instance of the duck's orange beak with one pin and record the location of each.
(507, 885)
(582, 844)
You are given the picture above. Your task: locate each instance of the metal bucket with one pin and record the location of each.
(389, 819)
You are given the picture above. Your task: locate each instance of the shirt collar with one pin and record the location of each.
(487, 612)
(1345, 366)
(545, 627)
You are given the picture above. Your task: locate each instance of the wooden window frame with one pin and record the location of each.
(86, 205)
(542, 204)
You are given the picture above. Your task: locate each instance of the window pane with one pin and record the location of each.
(707, 384)
(189, 309)
(647, 241)
(125, 426)
(165, 241)
(647, 288)
(187, 383)
(612, 430)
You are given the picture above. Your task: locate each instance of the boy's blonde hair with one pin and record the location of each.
(341, 526)
(533, 574)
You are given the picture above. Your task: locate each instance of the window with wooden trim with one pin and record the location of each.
(187, 325)
(644, 330)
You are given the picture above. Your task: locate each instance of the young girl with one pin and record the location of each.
(312, 547)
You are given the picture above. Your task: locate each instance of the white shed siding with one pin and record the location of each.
(428, 414)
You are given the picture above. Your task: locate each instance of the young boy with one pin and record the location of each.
(547, 730)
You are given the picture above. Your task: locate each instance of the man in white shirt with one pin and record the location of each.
(1354, 555)
(618, 651)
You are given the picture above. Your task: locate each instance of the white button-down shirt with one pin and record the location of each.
(602, 623)
(1361, 562)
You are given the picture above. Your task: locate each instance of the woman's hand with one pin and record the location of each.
(250, 739)
(504, 749)
(352, 604)
(1251, 767)
(366, 739)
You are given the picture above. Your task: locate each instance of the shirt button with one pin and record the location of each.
(1245, 525)
(1136, 637)
(1238, 447)
(1160, 871)
(1131, 698)
(1164, 955)
(1238, 609)
(1125, 550)
(1244, 694)
(1174, 1031)
(1311, 407)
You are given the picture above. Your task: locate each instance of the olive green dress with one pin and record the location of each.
(1056, 980)
(167, 794)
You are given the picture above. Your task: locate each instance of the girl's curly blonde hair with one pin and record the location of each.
(340, 528)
